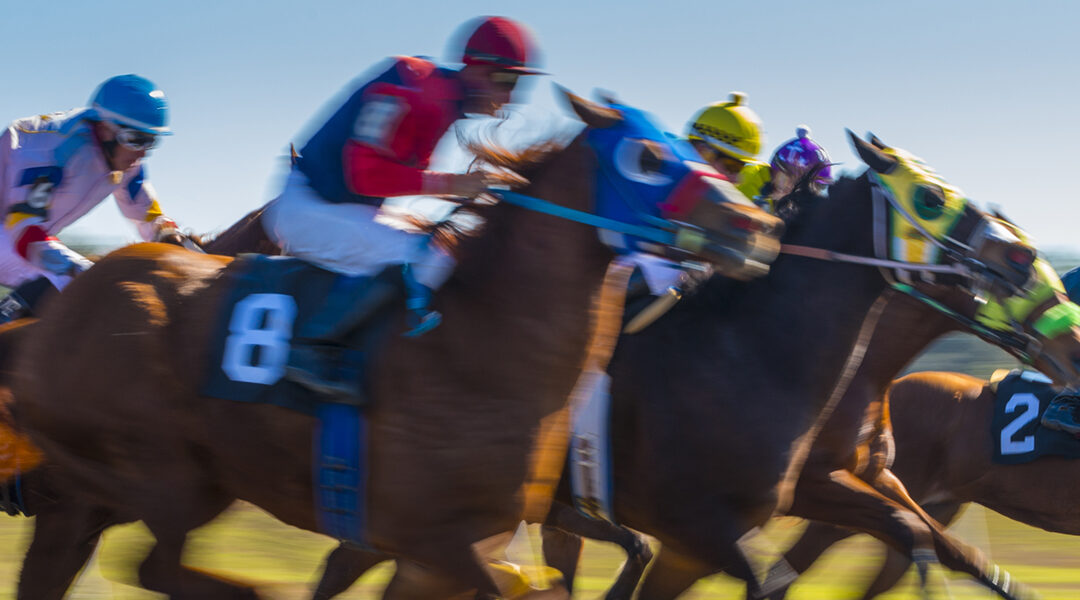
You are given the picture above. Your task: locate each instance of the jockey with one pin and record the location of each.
(378, 144)
(795, 160)
(728, 136)
(55, 168)
(1063, 412)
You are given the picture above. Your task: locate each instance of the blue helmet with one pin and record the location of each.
(132, 101)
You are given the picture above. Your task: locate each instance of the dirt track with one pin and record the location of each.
(253, 546)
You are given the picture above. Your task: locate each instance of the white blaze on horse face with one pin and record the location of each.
(247, 332)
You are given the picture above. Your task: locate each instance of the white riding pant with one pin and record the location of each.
(346, 237)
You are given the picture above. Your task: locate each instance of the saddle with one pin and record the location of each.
(1020, 399)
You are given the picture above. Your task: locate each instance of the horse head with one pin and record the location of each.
(1000, 289)
(671, 203)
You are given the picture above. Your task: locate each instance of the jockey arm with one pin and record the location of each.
(137, 201)
(391, 144)
(27, 210)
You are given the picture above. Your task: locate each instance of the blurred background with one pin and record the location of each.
(985, 91)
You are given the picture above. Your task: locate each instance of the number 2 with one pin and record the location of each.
(1031, 410)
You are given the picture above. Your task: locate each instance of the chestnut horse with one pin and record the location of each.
(940, 424)
(469, 413)
(715, 406)
(66, 530)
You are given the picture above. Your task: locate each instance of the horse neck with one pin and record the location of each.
(246, 235)
(532, 266)
(907, 327)
(808, 313)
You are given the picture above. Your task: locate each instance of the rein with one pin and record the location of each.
(1026, 346)
(653, 234)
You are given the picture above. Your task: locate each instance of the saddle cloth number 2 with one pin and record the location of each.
(259, 333)
(1030, 404)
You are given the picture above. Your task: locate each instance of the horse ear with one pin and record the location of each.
(594, 115)
(875, 141)
(872, 155)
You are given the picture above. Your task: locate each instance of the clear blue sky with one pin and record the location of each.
(985, 91)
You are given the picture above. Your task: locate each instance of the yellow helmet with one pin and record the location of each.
(730, 128)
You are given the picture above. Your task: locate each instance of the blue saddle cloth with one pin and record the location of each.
(1021, 400)
(273, 301)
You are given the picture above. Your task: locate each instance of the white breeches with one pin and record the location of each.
(346, 237)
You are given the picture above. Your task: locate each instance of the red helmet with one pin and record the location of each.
(501, 42)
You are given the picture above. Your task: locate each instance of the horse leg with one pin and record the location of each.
(65, 534)
(170, 521)
(562, 551)
(570, 522)
(817, 538)
(343, 567)
(953, 553)
(847, 501)
(671, 574)
(896, 564)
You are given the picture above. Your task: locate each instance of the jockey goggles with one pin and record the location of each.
(132, 139)
(504, 79)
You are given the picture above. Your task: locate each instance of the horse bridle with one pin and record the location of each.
(976, 276)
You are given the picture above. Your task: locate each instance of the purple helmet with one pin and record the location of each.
(799, 156)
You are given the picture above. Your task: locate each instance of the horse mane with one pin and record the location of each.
(717, 292)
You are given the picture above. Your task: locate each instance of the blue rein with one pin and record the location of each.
(653, 234)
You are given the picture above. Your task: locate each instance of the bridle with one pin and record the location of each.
(959, 259)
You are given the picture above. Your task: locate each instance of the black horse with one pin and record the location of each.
(716, 405)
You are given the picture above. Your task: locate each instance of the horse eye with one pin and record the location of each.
(930, 197)
(641, 161)
(651, 160)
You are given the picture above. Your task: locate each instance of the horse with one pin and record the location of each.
(473, 413)
(715, 406)
(939, 425)
(747, 481)
(67, 531)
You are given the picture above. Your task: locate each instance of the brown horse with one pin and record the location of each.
(716, 404)
(67, 530)
(940, 424)
(470, 413)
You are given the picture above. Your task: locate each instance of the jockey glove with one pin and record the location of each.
(54, 257)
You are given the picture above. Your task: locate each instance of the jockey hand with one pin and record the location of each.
(55, 257)
(461, 185)
(166, 231)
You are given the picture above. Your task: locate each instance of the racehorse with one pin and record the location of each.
(66, 531)
(468, 413)
(747, 427)
(715, 405)
(940, 424)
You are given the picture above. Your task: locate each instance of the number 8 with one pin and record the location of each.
(246, 332)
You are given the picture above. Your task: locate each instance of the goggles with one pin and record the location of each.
(132, 139)
(504, 79)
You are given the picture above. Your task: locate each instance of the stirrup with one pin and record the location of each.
(421, 322)
(322, 371)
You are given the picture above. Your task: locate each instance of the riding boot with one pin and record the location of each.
(23, 299)
(321, 358)
(418, 300)
(1063, 414)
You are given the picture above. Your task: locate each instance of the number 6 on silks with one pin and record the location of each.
(248, 330)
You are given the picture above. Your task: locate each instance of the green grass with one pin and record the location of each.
(249, 545)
